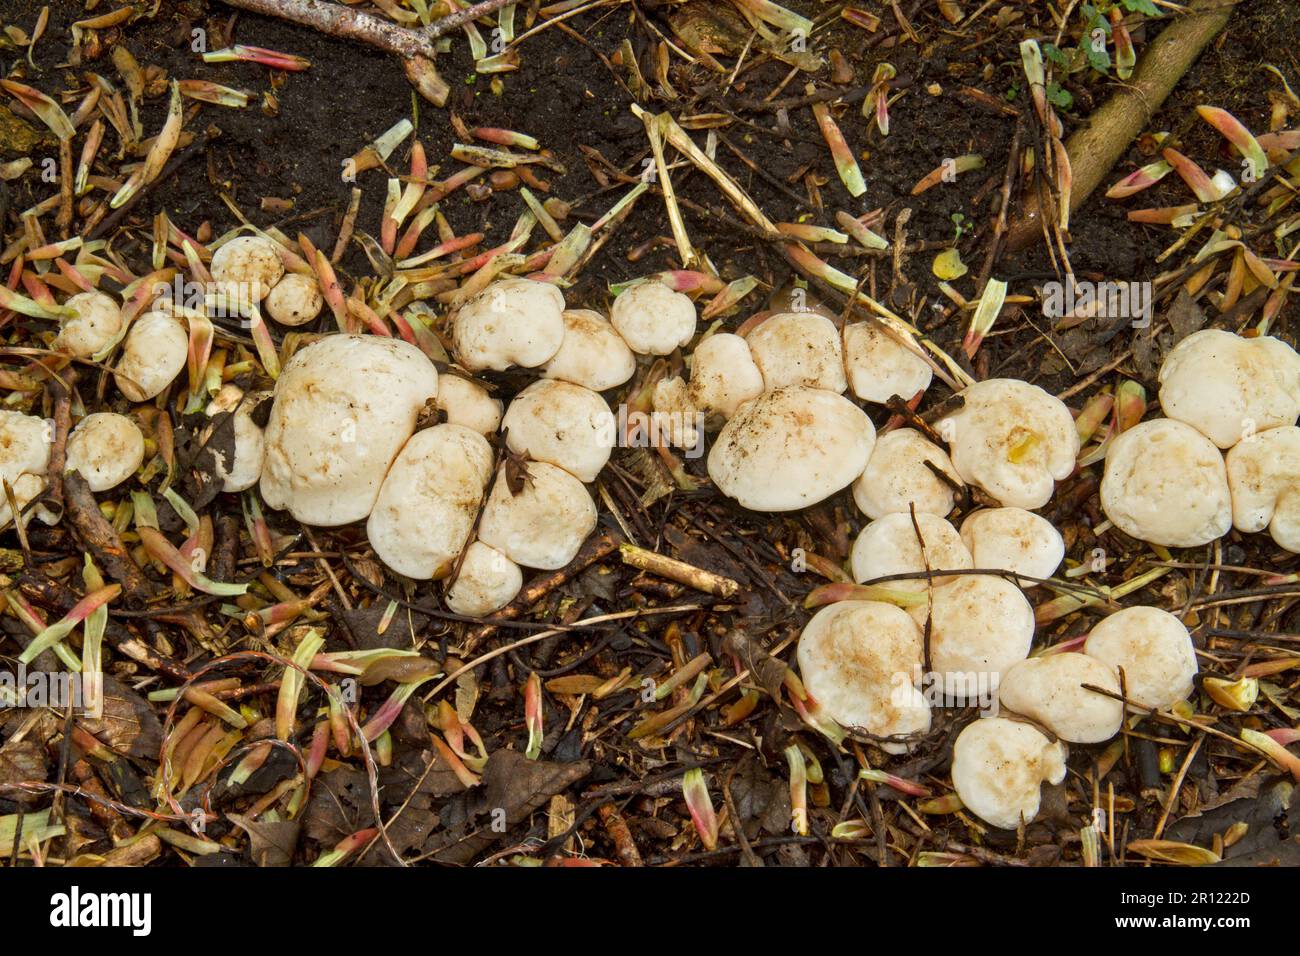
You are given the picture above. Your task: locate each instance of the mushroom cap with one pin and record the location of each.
(979, 626)
(295, 300)
(1012, 439)
(1050, 690)
(1152, 648)
(97, 322)
(487, 582)
(427, 504)
(592, 354)
(999, 766)
(1226, 386)
(889, 545)
(344, 407)
(542, 526)
(1166, 483)
(249, 440)
(562, 424)
(251, 263)
(879, 367)
(898, 476)
(652, 318)
(675, 416)
(860, 661)
(512, 322)
(1014, 539)
(791, 448)
(24, 457)
(468, 403)
(723, 374)
(105, 449)
(798, 348)
(153, 354)
(1263, 475)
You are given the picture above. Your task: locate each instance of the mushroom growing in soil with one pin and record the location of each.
(999, 766)
(1016, 540)
(246, 268)
(511, 322)
(889, 545)
(723, 375)
(295, 300)
(97, 322)
(1050, 689)
(105, 449)
(1264, 478)
(466, 402)
(562, 424)
(592, 354)
(980, 625)
(487, 582)
(791, 448)
(24, 458)
(542, 523)
(1227, 387)
(901, 474)
(1013, 440)
(1166, 483)
(798, 348)
(878, 366)
(427, 504)
(652, 318)
(860, 661)
(153, 354)
(248, 439)
(1153, 650)
(344, 406)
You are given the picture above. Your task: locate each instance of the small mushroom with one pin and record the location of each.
(562, 424)
(861, 661)
(466, 402)
(425, 511)
(889, 545)
(1166, 483)
(675, 413)
(295, 300)
(487, 582)
(798, 348)
(652, 318)
(901, 474)
(246, 268)
(1013, 440)
(543, 522)
(105, 449)
(97, 322)
(344, 406)
(1015, 540)
(24, 457)
(1153, 650)
(999, 767)
(791, 448)
(979, 626)
(1227, 387)
(153, 354)
(249, 442)
(512, 322)
(1050, 690)
(878, 366)
(1264, 478)
(723, 375)
(592, 354)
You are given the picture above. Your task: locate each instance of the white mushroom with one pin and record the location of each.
(999, 767)
(1264, 477)
(889, 545)
(1165, 483)
(512, 322)
(153, 354)
(592, 354)
(979, 626)
(1013, 440)
(723, 375)
(249, 440)
(344, 407)
(295, 300)
(246, 268)
(861, 662)
(487, 582)
(879, 367)
(899, 475)
(798, 348)
(1154, 651)
(652, 318)
(676, 416)
(562, 424)
(96, 324)
(466, 402)
(1014, 539)
(427, 504)
(1050, 690)
(24, 457)
(105, 449)
(1227, 387)
(542, 526)
(791, 448)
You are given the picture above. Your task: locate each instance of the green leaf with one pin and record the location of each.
(1059, 96)
(1055, 54)
(1141, 6)
(1099, 60)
